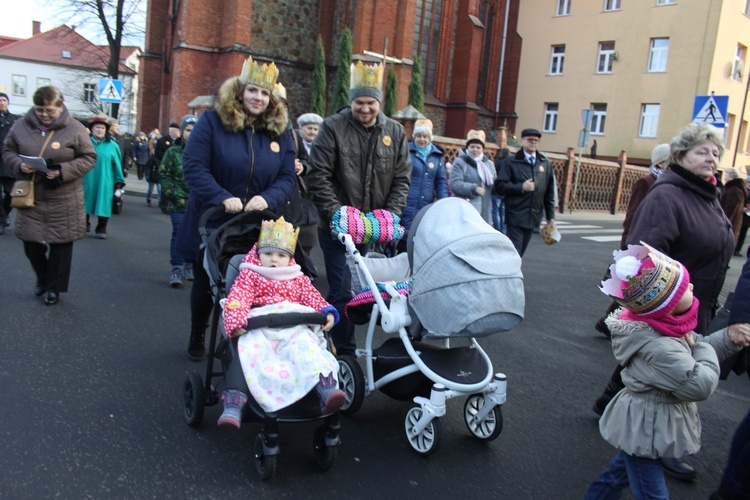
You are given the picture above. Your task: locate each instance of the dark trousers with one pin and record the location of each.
(5, 208)
(52, 271)
(519, 236)
(201, 300)
(736, 478)
(235, 377)
(334, 254)
(101, 224)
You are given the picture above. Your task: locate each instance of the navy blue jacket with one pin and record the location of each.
(218, 164)
(428, 181)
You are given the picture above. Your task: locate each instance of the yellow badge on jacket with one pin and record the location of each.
(541, 169)
(275, 147)
(387, 140)
(233, 304)
(55, 145)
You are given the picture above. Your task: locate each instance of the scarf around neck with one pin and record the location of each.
(669, 324)
(423, 151)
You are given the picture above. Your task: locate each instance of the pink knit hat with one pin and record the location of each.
(645, 281)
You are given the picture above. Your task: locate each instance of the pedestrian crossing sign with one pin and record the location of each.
(711, 109)
(110, 90)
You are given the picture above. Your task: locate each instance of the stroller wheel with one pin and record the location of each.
(193, 398)
(427, 441)
(325, 456)
(264, 464)
(352, 382)
(489, 427)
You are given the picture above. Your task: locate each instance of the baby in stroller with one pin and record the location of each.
(278, 366)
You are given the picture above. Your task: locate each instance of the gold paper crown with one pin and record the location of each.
(262, 76)
(279, 91)
(277, 235)
(364, 76)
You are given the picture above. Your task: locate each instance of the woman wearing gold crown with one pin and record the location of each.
(279, 366)
(239, 156)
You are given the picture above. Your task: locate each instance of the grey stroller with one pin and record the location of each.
(459, 280)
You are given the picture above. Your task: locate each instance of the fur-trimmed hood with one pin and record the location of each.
(234, 118)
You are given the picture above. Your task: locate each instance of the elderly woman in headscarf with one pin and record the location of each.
(428, 178)
(473, 175)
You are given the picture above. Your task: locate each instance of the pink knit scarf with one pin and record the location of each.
(669, 324)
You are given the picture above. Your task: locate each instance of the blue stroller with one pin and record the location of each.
(459, 279)
(225, 247)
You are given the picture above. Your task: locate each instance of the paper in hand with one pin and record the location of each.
(39, 164)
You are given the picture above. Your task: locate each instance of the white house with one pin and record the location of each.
(65, 59)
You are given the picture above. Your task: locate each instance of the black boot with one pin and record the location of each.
(197, 347)
(614, 386)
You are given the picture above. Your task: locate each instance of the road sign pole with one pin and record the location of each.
(586, 117)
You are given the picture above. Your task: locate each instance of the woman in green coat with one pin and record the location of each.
(99, 184)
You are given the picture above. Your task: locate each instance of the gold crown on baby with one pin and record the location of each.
(366, 76)
(262, 76)
(277, 235)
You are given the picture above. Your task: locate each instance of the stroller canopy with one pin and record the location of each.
(466, 276)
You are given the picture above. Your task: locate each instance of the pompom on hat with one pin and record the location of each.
(646, 282)
(660, 154)
(278, 235)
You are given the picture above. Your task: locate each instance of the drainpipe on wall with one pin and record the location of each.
(502, 60)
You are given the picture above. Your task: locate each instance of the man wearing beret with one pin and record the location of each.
(360, 159)
(527, 182)
(6, 176)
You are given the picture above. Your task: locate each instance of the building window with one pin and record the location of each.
(427, 37)
(665, 2)
(607, 55)
(598, 117)
(746, 10)
(558, 60)
(563, 7)
(19, 85)
(738, 68)
(649, 120)
(42, 82)
(550, 117)
(610, 5)
(657, 58)
(89, 92)
(66, 54)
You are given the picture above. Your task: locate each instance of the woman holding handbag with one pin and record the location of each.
(57, 217)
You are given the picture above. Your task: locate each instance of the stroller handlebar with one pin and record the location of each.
(286, 319)
(210, 212)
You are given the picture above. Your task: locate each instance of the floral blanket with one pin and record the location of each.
(281, 365)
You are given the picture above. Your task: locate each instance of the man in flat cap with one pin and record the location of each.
(7, 119)
(527, 182)
(360, 158)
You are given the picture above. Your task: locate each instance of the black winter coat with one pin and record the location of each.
(524, 209)
(681, 217)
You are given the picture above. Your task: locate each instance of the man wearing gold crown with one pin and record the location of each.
(6, 176)
(360, 158)
(239, 156)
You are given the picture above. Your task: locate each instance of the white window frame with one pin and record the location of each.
(665, 2)
(19, 85)
(738, 68)
(649, 124)
(604, 62)
(563, 7)
(611, 5)
(598, 118)
(658, 55)
(551, 112)
(43, 82)
(557, 61)
(89, 92)
(746, 10)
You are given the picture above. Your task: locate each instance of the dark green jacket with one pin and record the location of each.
(173, 186)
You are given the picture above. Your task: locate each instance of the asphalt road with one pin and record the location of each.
(91, 391)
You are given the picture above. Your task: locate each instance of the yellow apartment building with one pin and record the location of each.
(638, 65)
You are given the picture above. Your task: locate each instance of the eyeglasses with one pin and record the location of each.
(45, 111)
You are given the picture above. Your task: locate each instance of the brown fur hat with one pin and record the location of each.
(234, 117)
